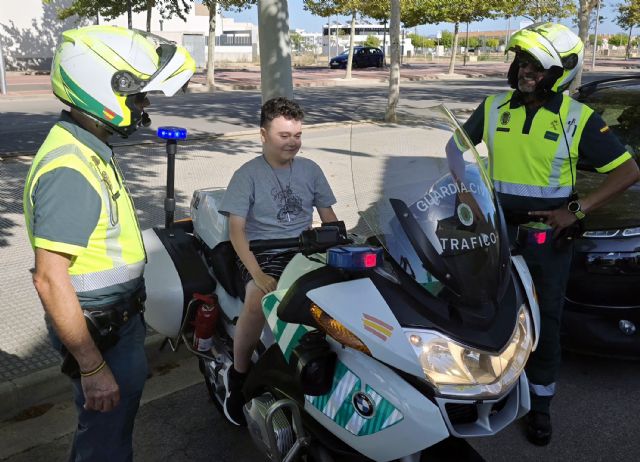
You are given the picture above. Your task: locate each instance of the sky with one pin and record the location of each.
(301, 19)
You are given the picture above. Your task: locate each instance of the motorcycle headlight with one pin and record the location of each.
(458, 370)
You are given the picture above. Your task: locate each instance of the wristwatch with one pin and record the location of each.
(575, 208)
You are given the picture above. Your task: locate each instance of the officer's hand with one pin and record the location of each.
(265, 282)
(558, 219)
(101, 392)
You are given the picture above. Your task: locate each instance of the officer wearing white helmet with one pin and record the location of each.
(81, 221)
(535, 135)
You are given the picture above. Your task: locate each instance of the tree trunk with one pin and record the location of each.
(275, 49)
(394, 71)
(584, 14)
(628, 52)
(149, 10)
(351, 36)
(454, 47)
(211, 44)
(129, 15)
(384, 42)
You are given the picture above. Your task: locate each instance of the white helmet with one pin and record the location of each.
(100, 70)
(555, 47)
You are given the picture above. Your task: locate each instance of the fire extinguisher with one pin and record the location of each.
(206, 318)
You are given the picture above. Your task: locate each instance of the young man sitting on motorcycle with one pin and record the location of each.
(269, 197)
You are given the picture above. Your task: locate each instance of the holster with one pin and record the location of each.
(103, 324)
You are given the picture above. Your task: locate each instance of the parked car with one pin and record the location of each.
(602, 309)
(362, 57)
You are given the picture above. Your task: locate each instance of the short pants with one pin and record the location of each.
(272, 262)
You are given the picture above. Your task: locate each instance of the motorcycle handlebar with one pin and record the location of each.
(310, 241)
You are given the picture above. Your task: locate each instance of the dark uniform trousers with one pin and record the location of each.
(549, 265)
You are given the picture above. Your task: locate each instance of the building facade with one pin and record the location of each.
(30, 31)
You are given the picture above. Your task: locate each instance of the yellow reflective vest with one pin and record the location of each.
(112, 263)
(541, 163)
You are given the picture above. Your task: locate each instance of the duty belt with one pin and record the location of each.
(115, 315)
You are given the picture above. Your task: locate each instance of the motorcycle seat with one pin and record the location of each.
(222, 261)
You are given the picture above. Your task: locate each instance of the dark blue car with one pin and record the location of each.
(362, 57)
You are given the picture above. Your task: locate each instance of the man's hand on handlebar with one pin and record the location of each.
(264, 282)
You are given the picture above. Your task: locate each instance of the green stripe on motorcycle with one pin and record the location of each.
(288, 349)
(287, 335)
(345, 385)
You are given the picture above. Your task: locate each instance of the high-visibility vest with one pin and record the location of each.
(114, 257)
(539, 164)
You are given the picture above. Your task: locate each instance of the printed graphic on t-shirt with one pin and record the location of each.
(289, 204)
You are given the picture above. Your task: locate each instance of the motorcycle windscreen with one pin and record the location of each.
(423, 191)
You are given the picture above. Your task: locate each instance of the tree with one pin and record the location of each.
(325, 8)
(394, 71)
(585, 8)
(372, 41)
(212, 6)
(628, 17)
(493, 43)
(453, 11)
(297, 41)
(420, 41)
(111, 9)
(538, 10)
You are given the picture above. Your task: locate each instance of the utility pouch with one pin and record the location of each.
(103, 333)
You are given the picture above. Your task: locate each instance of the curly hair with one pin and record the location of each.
(280, 106)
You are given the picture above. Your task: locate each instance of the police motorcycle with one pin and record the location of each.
(378, 346)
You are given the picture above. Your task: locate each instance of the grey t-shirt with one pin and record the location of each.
(277, 203)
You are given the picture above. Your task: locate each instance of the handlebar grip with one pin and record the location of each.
(272, 244)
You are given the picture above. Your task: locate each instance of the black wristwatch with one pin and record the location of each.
(575, 208)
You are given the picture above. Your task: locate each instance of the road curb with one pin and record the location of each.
(19, 395)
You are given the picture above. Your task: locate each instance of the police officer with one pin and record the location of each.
(535, 135)
(81, 221)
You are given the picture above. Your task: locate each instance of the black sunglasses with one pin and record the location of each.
(524, 61)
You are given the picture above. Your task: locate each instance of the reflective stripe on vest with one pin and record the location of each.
(534, 164)
(115, 253)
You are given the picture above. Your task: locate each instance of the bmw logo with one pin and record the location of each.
(364, 404)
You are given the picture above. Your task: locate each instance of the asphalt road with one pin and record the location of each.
(595, 419)
(24, 123)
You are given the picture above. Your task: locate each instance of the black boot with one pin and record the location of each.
(234, 399)
(538, 428)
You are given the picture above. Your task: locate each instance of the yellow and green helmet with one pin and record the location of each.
(100, 70)
(555, 47)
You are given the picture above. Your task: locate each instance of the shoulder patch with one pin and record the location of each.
(604, 129)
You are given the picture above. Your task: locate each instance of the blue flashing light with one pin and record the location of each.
(354, 258)
(172, 133)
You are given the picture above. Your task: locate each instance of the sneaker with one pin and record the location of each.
(234, 399)
(538, 428)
